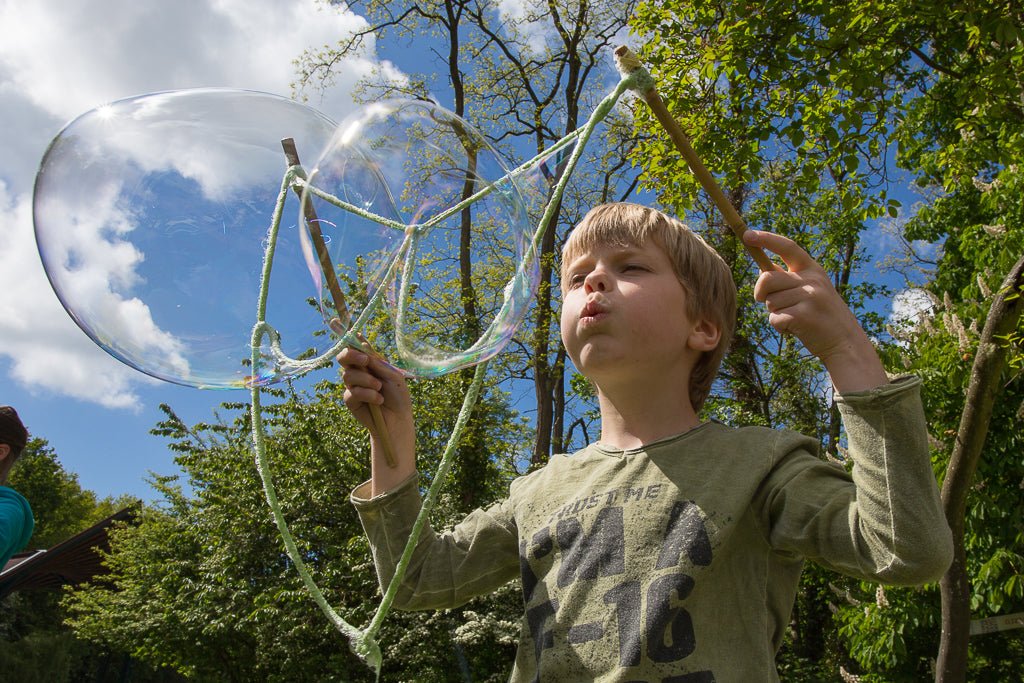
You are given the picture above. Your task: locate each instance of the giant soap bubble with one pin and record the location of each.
(151, 218)
(465, 269)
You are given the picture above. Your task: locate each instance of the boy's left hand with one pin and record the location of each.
(802, 301)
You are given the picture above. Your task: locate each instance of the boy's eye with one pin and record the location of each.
(576, 279)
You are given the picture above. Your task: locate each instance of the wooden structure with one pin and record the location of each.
(73, 561)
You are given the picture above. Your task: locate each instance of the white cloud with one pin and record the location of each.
(537, 33)
(71, 56)
(59, 60)
(911, 305)
(47, 351)
(910, 308)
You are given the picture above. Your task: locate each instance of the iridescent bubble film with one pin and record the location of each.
(466, 270)
(151, 217)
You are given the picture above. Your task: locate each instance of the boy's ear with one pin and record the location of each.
(5, 450)
(704, 336)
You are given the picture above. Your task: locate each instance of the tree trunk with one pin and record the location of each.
(982, 390)
(544, 374)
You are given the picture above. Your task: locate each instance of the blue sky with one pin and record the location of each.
(57, 61)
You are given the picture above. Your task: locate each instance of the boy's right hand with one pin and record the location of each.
(369, 380)
(802, 301)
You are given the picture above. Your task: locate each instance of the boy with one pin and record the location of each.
(670, 550)
(16, 521)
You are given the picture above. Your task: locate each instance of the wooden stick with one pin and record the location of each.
(628, 63)
(380, 426)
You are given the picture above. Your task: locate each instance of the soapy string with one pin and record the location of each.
(633, 77)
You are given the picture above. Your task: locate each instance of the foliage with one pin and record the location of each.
(891, 631)
(202, 584)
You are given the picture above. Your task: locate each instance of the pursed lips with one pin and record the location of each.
(593, 310)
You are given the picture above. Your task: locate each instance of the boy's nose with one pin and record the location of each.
(596, 280)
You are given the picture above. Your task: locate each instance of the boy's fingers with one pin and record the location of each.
(359, 377)
(350, 357)
(357, 396)
(362, 372)
(781, 299)
(794, 256)
(771, 283)
(383, 369)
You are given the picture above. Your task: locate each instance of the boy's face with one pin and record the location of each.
(624, 314)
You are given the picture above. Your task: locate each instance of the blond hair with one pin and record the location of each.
(705, 277)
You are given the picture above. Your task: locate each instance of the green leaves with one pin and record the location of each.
(202, 583)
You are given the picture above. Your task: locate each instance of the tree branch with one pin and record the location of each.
(983, 389)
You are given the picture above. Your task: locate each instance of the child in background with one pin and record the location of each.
(16, 521)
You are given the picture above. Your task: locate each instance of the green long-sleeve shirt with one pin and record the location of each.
(678, 562)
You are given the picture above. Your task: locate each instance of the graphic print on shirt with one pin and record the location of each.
(585, 540)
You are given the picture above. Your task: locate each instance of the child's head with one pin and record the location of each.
(13, 436)
(705, 277)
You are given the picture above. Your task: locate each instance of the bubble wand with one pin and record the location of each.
(380, 427)
(629, 64)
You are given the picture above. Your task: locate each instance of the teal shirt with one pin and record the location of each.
(16, 523)
(680, 561)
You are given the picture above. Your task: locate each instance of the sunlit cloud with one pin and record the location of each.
(45, 348)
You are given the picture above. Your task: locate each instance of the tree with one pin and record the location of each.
(202, 584)
(61, 507)
(974, 403)
(974, 113)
